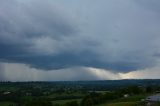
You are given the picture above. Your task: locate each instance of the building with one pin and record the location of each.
(126, 95)
(6, 93)
(153, 100)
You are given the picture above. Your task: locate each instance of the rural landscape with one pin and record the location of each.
(79, 93)
(79, 52)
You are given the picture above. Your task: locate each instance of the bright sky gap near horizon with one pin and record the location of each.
(48, 40)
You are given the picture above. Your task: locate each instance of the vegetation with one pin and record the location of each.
(120, 104)
(78, 93)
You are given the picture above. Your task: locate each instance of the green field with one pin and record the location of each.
(76, 93)
(130, 101)
(6, 103)
(66, 94)
(120, 104)
(131, 98)
(65, 101)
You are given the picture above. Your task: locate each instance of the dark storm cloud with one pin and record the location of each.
(1, 73)
(67, 60)
(150, 4)
(109, 34)
(22, 23)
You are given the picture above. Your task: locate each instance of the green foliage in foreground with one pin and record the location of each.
(120, 104)
(65, 101)
(92, 93)
(6, 104)
(134, 98)
(130, 101)
(38, 102)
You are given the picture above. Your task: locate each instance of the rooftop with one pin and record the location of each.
(154, 98)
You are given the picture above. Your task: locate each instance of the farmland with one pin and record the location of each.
(77, 93)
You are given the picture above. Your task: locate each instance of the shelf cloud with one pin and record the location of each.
(120, 36)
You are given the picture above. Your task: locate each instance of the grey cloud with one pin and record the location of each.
(1, 73)
(20, 23)
(22, 72)
(109, 34)
(150, 4)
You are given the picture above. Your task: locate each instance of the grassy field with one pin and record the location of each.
(65, 101)
(131, 98)
(65, 94)
(5, 103)
(130, 101)
(120, 104)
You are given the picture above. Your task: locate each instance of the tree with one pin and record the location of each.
(39, 102)
(87, 101)
(72, 103)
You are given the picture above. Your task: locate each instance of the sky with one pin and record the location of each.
(61, 40)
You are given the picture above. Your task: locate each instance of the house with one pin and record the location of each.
(6, 93)
(126, 95)
(153, 100)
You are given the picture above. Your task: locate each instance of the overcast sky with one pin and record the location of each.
(79, 39)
